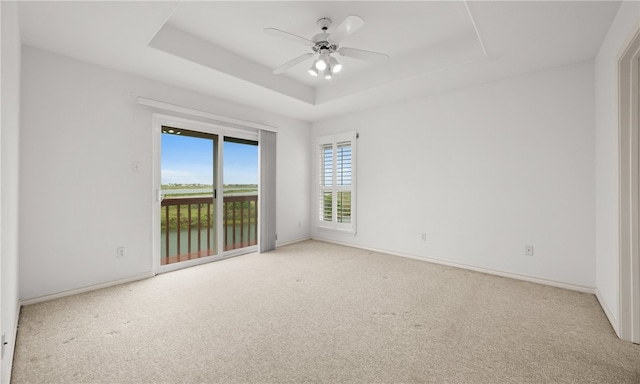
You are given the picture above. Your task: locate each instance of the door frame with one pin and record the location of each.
(160, 120)
(629, 168)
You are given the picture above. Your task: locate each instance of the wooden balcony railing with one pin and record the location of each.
(240, 221)
(188, 230)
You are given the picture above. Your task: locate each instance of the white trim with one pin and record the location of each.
(161, 105)
(166, 20)
(285, 243)
(629, 189)
(515, 276)
(605, 308)
(333, 140)
(475, 28)
(89, 288)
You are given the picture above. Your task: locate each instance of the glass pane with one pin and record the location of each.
(343, 164)
(240, 174)
(326, 206)
(187, 214)
(344, 207)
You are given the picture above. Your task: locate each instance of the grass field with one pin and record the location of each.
(184, 190)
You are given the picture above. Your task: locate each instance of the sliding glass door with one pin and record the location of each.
(206, 180)
(240, 193)
(189, 193)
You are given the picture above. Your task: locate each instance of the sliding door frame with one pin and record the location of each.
(160, 120)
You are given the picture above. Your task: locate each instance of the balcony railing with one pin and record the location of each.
(188, 230)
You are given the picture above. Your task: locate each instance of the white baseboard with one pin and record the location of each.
(10, 348)
(510, 275)
(118, 282)
(610, 316)
(279, 244)
(76, 291)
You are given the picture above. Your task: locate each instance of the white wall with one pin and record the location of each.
(9, 135)
(293, 191)
(483, 171)
(607, 180)
(81, 131)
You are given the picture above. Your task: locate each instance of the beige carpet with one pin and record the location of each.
(316, 312)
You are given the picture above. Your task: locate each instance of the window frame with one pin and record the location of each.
(334, 141)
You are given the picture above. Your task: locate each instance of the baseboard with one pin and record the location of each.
(278, 245)
(10, 348)
(117, 282)
(605, 308)
(89, 288)
(510, 275)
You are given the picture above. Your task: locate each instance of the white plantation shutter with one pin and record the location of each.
(325, 203)
(336, 182)
(343, 182)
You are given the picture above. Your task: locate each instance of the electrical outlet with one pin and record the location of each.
(528, 250)
(121, 252)
(423, 236)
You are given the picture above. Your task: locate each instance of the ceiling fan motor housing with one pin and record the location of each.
(322, 43)
(321, 40)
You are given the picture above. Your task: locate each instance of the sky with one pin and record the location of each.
(189, 160)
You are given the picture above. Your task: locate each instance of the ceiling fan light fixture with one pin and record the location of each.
(335, 65)
(327, 73)
(313, 71)
(320, 64)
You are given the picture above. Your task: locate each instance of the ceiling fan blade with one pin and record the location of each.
(288, 36)
(292, 63)
(348, 26)
(363, 55)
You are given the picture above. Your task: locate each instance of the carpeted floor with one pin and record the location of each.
(317, 312)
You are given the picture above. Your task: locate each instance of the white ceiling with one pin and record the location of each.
(219, 48)
(422, 25)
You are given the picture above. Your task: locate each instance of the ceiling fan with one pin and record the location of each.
(324, 44)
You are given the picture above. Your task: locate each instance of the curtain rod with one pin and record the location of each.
(207, 115)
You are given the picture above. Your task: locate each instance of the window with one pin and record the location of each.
(337, 182)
